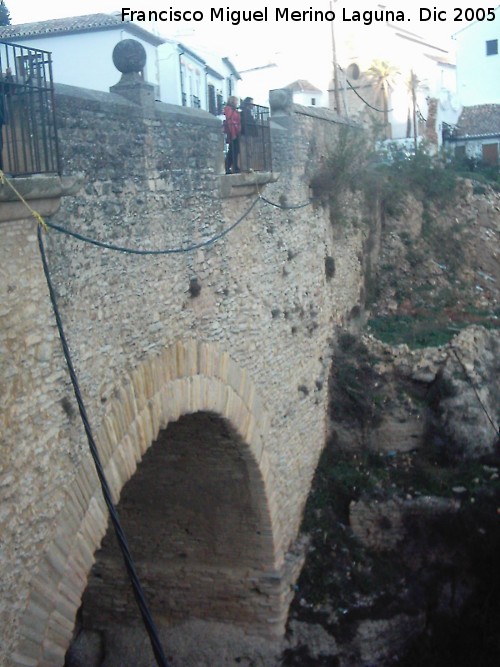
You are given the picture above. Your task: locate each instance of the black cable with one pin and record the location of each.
(166, 251)
(421, 115)
(319, 117)
(495, 428)
(122, 540)
(362, 98)
(172, 251)
(288, 207)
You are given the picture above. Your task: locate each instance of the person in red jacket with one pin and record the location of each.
(232, 128)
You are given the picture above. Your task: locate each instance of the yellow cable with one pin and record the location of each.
(35, 214)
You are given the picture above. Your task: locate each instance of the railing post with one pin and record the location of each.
(256, 139)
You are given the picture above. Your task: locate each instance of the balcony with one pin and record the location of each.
(27, 116)
(255, 157)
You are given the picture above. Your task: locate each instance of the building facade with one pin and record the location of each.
(81, 50)
(307, 94)
(478, 62)
(397, 81)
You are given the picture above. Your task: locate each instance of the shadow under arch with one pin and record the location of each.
(187, 377)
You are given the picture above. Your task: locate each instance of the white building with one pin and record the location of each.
(476, 137)
(478, 62)
(306, 94)
(188, 79)
(82, 48)
(434, 104)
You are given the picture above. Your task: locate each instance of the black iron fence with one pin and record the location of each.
(27, 117)
(255, 140)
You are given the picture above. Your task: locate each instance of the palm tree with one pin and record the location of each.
(383, 75)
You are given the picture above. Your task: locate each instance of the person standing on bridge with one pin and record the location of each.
(232, 129)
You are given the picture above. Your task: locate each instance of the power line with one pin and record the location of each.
(362, 98)
(122, 540)
(165, 251)
(495, 428)
(176, 250)
(288, 207)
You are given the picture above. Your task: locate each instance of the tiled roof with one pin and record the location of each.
(75, 24)
(301, 86)
(478, 121)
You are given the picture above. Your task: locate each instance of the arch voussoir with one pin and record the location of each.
(185, 378)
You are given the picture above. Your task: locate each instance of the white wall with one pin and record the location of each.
(306, 98)
(478, 75)
(85, 59)
(407, 53)
(169, 73)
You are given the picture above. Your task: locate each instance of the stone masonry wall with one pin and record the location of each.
(252, 346)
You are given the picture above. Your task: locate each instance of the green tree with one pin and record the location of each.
(4, 14)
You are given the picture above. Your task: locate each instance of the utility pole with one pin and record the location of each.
(414, 102)
(335, 67)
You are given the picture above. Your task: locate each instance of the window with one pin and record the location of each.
(353, 72)
(212, 102)
(491, 47)
(220, 103)
(313, 101)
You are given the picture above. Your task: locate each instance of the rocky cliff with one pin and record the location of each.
(402, 521)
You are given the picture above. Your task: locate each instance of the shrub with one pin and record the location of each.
(354, 166)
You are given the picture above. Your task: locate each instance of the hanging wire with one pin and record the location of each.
(495, 428)
(288, 207)
(122, 540)
(362, 98)
(44, 225)
(165, 251)
(178, 250)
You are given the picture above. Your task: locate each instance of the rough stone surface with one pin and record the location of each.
(383, 526)
(252, 347)
(466, 373)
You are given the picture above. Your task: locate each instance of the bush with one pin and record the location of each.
(421, 173)
(353, 166)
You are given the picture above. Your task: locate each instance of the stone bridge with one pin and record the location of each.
(205, 373)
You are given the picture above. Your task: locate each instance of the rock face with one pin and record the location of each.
(384, 525)
(449, 396)
(403, 513)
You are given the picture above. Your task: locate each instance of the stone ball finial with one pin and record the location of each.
(129, 56)
(281, 100)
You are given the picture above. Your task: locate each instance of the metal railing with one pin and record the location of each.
(27, 116)
(255, 140)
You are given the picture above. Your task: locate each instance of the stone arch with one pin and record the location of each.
(186, 378)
